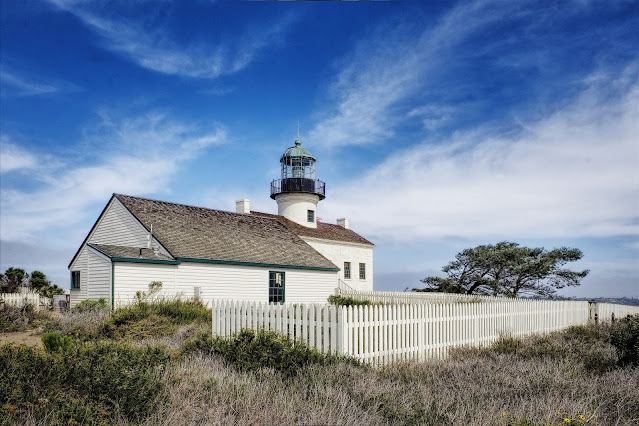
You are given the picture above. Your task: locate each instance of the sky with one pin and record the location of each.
(437, 126)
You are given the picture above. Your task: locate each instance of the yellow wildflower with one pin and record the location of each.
(582, 417)
(566, 420)
(503, 413)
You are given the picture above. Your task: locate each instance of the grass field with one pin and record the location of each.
(158, 364)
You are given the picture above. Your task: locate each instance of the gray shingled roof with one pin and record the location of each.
(128, 252)
(326, 231)
(201, 233)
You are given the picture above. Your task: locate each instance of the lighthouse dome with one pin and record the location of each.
(296, 152)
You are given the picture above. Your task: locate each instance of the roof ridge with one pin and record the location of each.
(194, 207)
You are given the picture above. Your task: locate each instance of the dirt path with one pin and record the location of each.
(28, 338)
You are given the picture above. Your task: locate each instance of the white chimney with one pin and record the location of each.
(242, 206)
(343, 222)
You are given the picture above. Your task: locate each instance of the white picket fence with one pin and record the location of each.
(382, 334)
(608, 311)
(21, 299)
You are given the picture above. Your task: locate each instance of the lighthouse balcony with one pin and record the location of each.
(293, 185)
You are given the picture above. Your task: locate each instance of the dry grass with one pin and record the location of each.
(536, 381)
(477, 390)
(203, 390)
(84, 325)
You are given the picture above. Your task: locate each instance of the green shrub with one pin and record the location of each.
(251, 351)
(506, 345)
(202, 342)
(91, 305)
(159, 318)
(625, 338)
(87, 383)
(53, 342)
(151, 326)
(542, 347)
(347, 301)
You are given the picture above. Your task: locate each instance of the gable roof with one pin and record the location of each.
(190, 232)
(325, 231)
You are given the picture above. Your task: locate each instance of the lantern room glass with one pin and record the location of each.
(298, 167)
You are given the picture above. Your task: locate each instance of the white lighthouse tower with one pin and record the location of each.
(298, 192)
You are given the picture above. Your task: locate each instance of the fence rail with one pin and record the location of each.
(21, 299)
(382, 334)
(416, 298)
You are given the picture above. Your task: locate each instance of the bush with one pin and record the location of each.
(160, 318)
(587, 346)
(91, 305)
(251, 351)
(53, 342)
(87, 383)
(506, 345)
(347, 301)
(20, 318)
(625, 338)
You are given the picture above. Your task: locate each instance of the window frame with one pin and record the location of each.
(78, 281)
(347, 270)
(310, 216)
(362, 271)
(273, 296)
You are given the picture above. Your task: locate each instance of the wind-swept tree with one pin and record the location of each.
(12, 279)
(40, 284)
(508, 269)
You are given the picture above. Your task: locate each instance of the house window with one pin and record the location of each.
(75, 279)
(362, 271)
(310, 216)
(347, 270)
(275, 287)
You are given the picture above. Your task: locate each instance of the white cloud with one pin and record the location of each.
(152, 47)
(391, 67)
(142, 156)
(12, 157)
(572, 174)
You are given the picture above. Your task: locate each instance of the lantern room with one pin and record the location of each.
(298, 173)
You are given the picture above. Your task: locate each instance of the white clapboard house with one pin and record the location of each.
(213, 254)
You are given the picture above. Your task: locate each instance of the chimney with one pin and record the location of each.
(242, 206)
(343, 222)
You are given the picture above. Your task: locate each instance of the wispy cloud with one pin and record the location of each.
(570, 174)
(392, 66)
(13, 158)
(142, 157)
(154, 47)
(481, 60)
(33, 86)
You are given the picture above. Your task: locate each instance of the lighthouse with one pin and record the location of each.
(298, 192)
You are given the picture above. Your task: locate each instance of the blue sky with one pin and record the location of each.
(437, 125)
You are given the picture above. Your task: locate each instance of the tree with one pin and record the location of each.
(506, 269)
(12, 279)
(40, 284)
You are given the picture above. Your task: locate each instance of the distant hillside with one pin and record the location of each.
(631, 301)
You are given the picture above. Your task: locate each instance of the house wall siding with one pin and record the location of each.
(81, 264)
(119, 227)
(99, 276)
(339, 252)
(220, 282)
(129, 278)
(309, 286)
